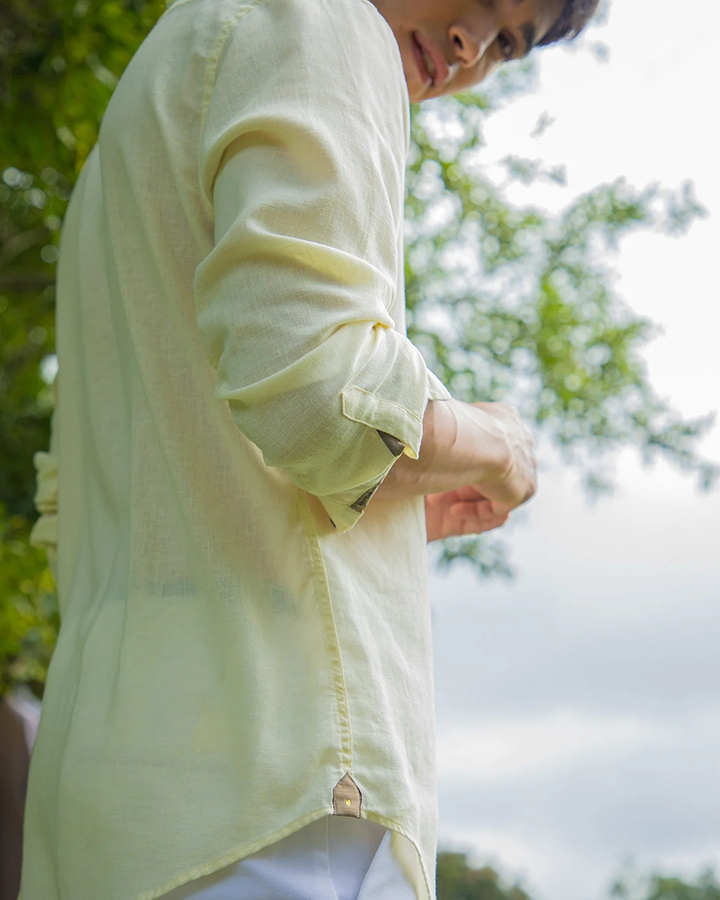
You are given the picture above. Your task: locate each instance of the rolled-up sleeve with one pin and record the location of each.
(302, 165)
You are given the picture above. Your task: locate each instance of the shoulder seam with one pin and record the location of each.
(211, 63)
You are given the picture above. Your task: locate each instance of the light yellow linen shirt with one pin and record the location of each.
(245, 642)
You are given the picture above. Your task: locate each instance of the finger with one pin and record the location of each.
(499, 508)
(469, 492)
(479, 526)
(477, 509)
(442, 499)
(482, 519)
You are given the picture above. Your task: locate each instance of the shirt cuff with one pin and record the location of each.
(399, 430)
(345, 509)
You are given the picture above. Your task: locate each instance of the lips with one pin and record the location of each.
(425, 75)
(424, 50)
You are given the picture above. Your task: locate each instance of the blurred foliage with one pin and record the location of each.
(458, 880)
(512, 303)
(28, 608)
(630, 886)
(505, 302)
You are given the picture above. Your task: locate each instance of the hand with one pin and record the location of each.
(485, 445)
(463, 511)
(518, 483)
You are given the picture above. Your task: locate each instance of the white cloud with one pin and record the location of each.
(599, 791)
(502, 750)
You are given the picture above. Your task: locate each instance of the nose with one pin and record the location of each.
(471, 43)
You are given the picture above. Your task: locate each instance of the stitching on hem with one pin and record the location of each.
(331, 638)
(287, 830)
(393, 826)
(233, 856)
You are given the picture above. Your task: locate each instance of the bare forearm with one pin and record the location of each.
(462, 444)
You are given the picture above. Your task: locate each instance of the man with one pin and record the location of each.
(252, 457)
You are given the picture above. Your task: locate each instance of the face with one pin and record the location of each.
(451, 45)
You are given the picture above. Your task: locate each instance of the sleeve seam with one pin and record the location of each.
(210, 75)
(382, 400)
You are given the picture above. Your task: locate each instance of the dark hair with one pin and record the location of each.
(574, 17)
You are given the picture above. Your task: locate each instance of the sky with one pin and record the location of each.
(578, 707)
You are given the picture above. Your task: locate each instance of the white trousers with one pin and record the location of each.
(333, 858)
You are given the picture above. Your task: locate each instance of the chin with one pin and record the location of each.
(419, 94)
(414, 91)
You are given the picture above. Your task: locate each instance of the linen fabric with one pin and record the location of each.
(242, 627)
(333, 858)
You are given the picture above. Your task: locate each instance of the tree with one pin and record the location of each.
(657, 886)
(505, 302)
(511, 303)
(458, 880)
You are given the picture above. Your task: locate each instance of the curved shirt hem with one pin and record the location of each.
(236, 856)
